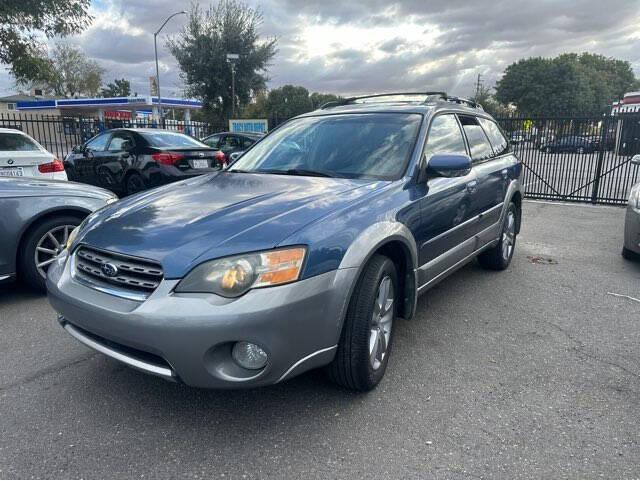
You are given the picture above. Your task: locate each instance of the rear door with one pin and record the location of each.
(20, 155)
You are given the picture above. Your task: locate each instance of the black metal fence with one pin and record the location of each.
(579, 159)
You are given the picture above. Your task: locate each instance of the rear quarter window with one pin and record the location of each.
(479, 145)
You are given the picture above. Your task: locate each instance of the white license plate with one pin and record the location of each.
(11, 172)
(200, 163)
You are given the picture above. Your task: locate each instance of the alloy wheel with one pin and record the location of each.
(381, 322)
(50, 245)
(509, 236)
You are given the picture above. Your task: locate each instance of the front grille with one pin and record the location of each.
(134, 275)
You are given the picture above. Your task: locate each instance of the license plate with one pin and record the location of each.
(11, 172)
(200, 163)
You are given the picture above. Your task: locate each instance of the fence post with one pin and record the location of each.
(596, 180)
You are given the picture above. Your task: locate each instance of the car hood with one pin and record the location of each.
(212, 216)
(33, 187)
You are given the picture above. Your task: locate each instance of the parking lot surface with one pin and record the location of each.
(529, 373)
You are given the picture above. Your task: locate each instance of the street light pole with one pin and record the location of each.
(232, 58)
(155, 47)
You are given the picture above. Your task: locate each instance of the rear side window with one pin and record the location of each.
(10, 142)
(498, 142)
(478, 143)
(444, 137)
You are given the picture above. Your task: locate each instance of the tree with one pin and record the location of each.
(202, 47)
(485, 97)
(117, 88)
(22, 25)
(285, 102)
(318, 99)
(73, 73)
(567, 84)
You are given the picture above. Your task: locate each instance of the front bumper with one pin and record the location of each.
(632, 230)
(189, 337)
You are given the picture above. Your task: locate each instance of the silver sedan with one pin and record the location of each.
(631, 249)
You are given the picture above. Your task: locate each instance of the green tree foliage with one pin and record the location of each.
(567, 84)
(117, 88)
(226, 27)
(23, 23)
(286, 102)
(485, 97)
(74, 74)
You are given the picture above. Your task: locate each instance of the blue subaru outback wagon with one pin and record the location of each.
(303, 253)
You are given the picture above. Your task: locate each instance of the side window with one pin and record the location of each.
(213, 141)
(444, 137)
(99, 143)
(498, 142)
(478, 143)
(247, 142)
(117, 141)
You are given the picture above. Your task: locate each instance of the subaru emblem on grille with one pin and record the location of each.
(109, 270)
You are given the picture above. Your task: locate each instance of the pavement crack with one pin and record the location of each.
(57, 367)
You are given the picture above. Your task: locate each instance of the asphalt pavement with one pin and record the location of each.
(529, 373)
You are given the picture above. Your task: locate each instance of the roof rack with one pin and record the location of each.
(440, 95)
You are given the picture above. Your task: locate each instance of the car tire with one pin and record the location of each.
(367, 334)
(134, 183)
(38, 247)
(499, 257)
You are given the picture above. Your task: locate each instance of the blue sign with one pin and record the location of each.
(249, 125)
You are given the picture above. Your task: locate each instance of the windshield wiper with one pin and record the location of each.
(301, 172)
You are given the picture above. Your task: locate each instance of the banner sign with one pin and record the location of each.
(248, 125)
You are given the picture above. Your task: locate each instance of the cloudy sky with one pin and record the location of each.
(365, 46)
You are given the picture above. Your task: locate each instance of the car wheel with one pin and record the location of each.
(499, 257)
(134, 184)
(41, 245)
(366, 338)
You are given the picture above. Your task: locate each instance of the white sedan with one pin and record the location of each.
(22, 156)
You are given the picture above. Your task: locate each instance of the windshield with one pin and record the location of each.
(171, 139)
(346, 145)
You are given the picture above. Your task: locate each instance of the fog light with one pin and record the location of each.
(248, 355)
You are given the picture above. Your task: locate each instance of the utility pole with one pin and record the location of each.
(233, 58)
(478, 86)
(155, 47)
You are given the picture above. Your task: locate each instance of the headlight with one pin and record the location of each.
(72, 237)
(233, 276)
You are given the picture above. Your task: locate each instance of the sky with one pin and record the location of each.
(366, 46)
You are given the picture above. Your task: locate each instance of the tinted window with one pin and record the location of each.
(16, 142)
(444, 137)
(247, 142)
(343, 145)
(230, 142)
(99, 143)
(119, 139)
(171, 139)
(498, 142)
(478, 143)
(212, 141)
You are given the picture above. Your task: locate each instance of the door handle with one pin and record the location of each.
(472, 186)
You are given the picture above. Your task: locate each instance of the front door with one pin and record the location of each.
(446, 234)
(84, 162)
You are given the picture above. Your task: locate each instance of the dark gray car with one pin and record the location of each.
(36, 217)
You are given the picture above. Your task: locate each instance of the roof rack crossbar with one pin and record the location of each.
(350, 100)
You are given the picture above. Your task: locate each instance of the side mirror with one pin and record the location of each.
(77, 149)
(448, 165)
(635, 159)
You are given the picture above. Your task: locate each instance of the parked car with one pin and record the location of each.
(231, 142)
(517, 137)
(127, 161)
(573, 143)
(302, 254)
(22, 156)
(631, 248)
(37, 218)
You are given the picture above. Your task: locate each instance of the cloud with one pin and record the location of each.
(364, 46)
